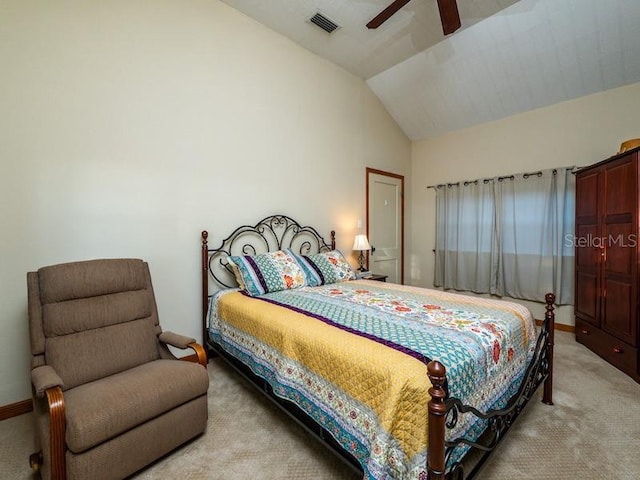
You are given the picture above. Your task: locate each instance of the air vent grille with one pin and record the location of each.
(324, 23)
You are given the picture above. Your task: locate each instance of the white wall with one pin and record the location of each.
(127, 127)
(578, 132)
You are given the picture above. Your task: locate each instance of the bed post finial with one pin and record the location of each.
(437, 415)
(550, 324)
(333, 239)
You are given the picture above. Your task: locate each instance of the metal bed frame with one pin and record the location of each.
(277, 232)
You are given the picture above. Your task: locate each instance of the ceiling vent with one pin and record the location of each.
(324, 23)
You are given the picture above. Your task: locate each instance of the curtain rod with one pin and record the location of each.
(500, 179)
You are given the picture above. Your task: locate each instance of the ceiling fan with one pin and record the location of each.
(448, 15)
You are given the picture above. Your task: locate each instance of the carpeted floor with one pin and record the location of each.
(592, 432)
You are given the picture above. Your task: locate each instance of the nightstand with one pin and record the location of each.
(378, 277)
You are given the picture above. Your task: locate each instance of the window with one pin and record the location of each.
(506, 236)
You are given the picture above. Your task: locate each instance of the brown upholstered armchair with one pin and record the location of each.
(109, 396)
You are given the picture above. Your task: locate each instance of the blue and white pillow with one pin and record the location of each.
(268, 272)
(325, 268)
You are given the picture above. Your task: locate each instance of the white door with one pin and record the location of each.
(385, 223)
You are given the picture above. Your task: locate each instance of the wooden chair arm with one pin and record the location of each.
(182, 342)
(55, 398)
(200, 354)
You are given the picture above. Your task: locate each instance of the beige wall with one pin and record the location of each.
(578, 132)
(127, 127)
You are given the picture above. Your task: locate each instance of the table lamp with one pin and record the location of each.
(361, 244)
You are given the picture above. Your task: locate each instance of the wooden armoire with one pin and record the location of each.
(607, 256)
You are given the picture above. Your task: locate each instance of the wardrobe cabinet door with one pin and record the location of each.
(588, 247)
(619, 228)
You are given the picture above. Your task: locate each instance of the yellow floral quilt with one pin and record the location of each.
(353, 355)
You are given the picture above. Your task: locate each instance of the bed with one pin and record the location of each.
(400, 382)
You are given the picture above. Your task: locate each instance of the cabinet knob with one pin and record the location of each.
(617, 350)
(584, 331)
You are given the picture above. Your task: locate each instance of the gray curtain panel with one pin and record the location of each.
(508, 236)
(466, 241)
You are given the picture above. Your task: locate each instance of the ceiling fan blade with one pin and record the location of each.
(449, 16)
(385, 14)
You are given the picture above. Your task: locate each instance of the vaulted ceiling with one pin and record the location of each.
(508, 57)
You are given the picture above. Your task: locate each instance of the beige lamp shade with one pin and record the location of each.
(361, 243)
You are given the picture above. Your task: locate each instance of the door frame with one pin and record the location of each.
(375, 171)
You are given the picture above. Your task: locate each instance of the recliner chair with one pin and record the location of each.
(109, 396)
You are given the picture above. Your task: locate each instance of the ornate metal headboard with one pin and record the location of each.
(272, 233)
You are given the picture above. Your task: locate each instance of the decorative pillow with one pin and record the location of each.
(268, 272)
(326, 267)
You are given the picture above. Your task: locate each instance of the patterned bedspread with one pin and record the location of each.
(353, 355)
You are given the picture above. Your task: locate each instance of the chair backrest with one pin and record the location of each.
(92, 319)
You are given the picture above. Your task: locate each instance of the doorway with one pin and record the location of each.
(385, 223)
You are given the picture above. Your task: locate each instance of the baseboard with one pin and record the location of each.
(15, 409)
(560, 326)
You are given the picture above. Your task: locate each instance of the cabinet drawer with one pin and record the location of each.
(615, 351)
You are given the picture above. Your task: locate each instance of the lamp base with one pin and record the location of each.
(361, 267)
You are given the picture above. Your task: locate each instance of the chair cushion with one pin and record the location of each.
(91, 278)
(96, 353)
(105, 408)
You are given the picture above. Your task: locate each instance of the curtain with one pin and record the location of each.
(507, 236)
(466, 237)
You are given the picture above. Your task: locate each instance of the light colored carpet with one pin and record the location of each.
(592, 432)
